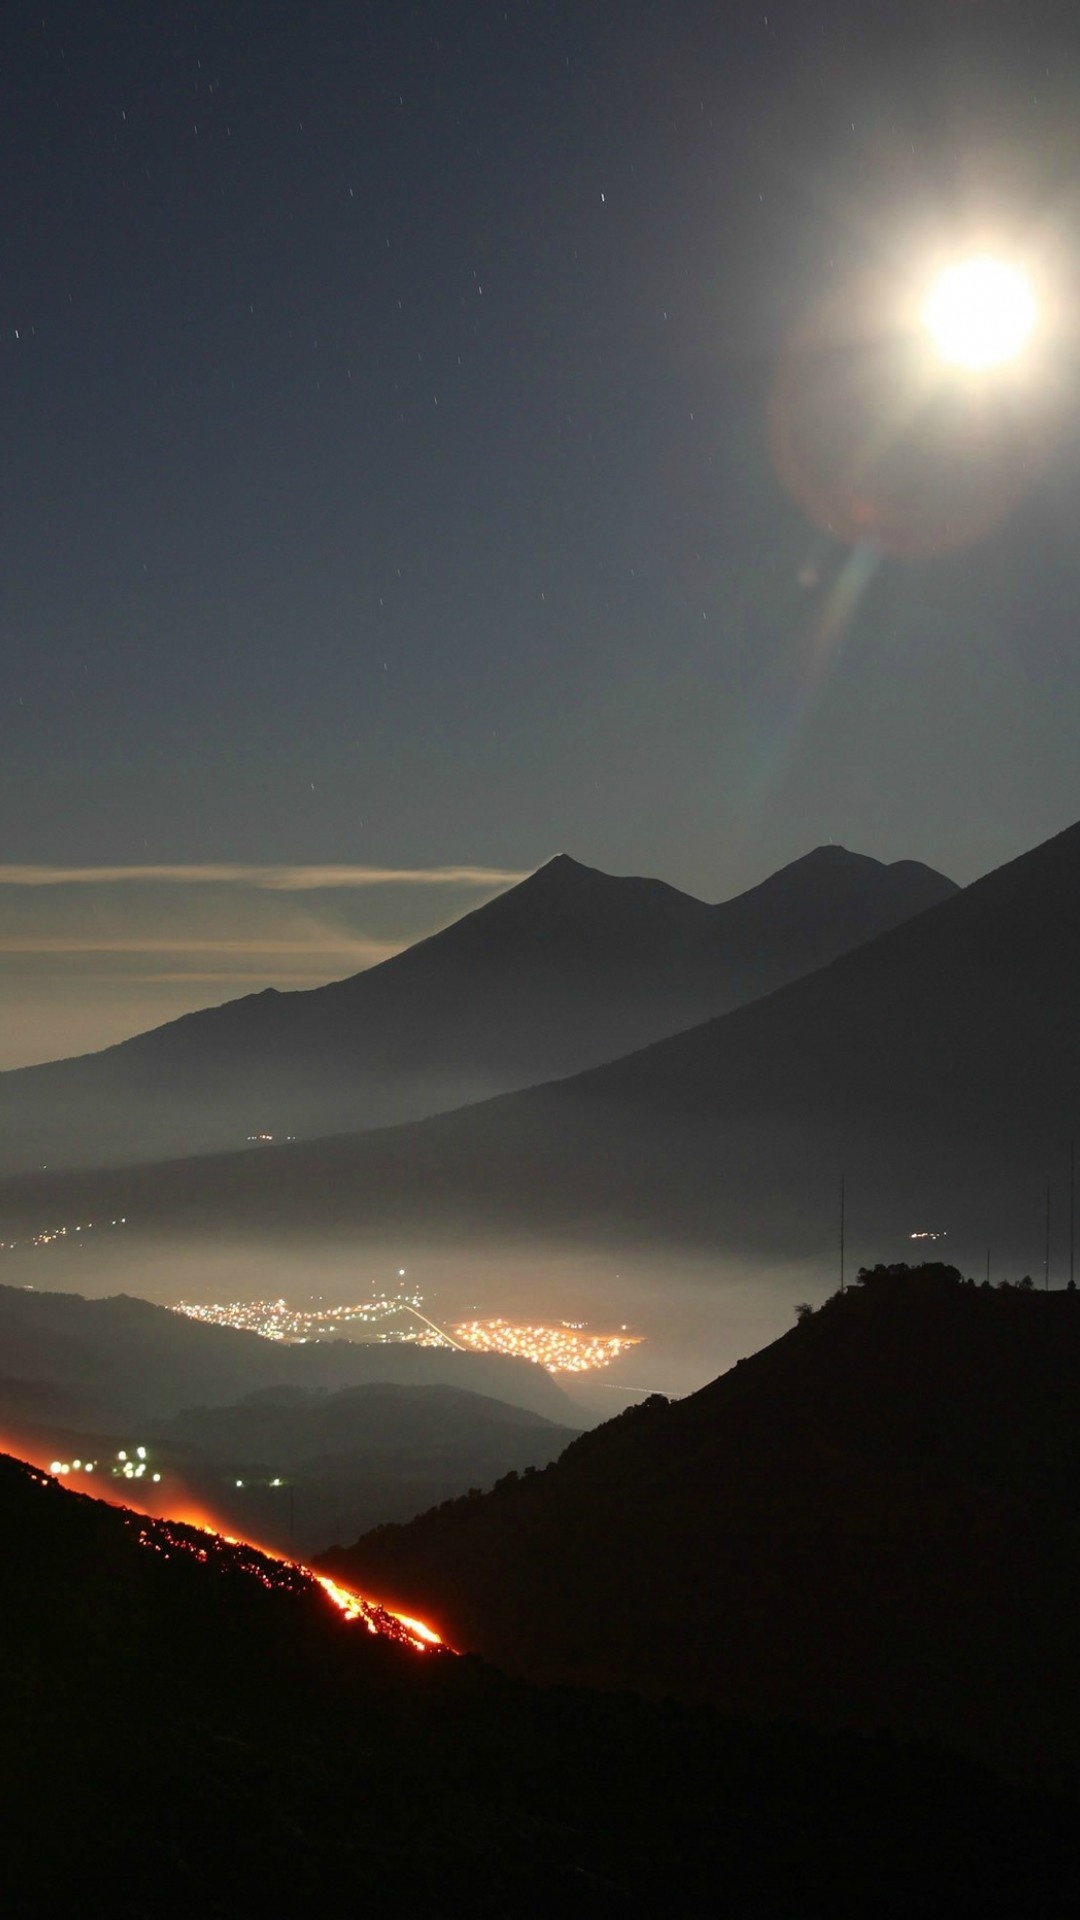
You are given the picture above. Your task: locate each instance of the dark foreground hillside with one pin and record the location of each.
(873, 1522)
(183, 1736)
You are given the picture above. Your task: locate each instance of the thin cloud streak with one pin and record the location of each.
(270, 879)
(369, 950)
(294, 978)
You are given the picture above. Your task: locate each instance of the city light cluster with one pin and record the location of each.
(49, 1235)
(277, 1320)
(568, 1348)
(133, 1466)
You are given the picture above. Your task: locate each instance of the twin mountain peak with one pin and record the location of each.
(570, 968)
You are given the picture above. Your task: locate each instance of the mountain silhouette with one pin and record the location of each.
(190, 1726)
(297, 1468)
(936, 1066)
(875, 1521)
(567, 969)
(349, 1460)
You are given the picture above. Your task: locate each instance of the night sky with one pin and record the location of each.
(388, 478)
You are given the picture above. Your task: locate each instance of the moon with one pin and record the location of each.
(981, 313)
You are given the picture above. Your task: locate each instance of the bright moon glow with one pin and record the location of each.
(981, 313)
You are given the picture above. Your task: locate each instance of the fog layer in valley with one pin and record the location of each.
(695, 1317)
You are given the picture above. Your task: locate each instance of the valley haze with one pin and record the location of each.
(567, 968)
(932, 1068)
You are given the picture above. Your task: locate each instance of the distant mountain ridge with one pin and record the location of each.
(299, 1468)
(936, 1067)
(351, 1458)
(568, 969)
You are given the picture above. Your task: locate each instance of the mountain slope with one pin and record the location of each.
(298, 1469)
(351, 1460)
(875, 1521)
(936, 1065)
(569, 968)
(188, 1727)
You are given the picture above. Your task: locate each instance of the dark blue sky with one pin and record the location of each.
(384, 465)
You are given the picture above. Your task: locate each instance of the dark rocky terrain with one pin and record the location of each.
(189, 1727)
(874, 1522)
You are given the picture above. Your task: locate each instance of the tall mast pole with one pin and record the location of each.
(842, 1202)
(1046, 1248)
(1072, 1212)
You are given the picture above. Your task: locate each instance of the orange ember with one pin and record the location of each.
(171, 1507)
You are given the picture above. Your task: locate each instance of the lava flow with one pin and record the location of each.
(188, 1528)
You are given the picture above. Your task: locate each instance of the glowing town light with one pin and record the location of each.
(981, 313)
(569, 1348)
(141, 1451)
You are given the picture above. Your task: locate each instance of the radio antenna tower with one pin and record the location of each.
(1071, 1212)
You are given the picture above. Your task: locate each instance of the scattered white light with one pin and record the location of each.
(981, 313)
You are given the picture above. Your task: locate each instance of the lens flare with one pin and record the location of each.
(981, 313)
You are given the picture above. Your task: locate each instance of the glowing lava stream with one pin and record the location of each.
(353, 1606)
